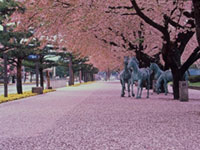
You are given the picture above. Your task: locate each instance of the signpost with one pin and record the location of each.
(36, 89)
(35, 57)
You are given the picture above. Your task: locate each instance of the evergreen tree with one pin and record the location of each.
(19, 50)
(7, 7)
(74, 64)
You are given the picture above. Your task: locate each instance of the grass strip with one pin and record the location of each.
(12, 97)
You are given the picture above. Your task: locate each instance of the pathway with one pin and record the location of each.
(95, 117)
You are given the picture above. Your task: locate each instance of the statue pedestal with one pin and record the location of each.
(38, 90)
(183, 91)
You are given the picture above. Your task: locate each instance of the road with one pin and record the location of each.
(95, 117)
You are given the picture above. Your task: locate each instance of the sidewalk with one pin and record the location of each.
(95, 117)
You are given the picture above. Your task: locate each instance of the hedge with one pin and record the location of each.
(194, 78)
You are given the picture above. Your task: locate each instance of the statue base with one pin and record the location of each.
(183, 91)
(38, 90)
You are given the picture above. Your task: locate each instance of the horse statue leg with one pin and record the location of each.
(148, 86)
(138, 89)
(129, 83)
(141, 91)
(123, 88)
(132, 90)
(158, 85)
(165, 86)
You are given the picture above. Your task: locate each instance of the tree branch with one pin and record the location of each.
(184, 38)
(173, 23)
(193, 57)
(196, 4)
(64, 4)
(121, 7)
(128, 14)
(147, 19)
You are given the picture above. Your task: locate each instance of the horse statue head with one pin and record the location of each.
(133, 61)
(153, 66)
(126, 59)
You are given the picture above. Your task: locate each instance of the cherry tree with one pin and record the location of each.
(74, 28)
(176, 25)
(106, 29)
(196, 5)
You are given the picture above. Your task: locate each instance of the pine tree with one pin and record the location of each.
(19, 50)
(6, 9)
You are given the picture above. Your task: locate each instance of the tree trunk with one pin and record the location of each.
(19, 76)
(177, 76)
(80, 76)
(196, 4)
(176, 79)
(25, 77)
(92, 77)
(31, 77)
(71, 73)
(108, 74)
(5, 75)
(173, 61)
(85, 76)
(90, 74)
(41, 78)
(37, 73)
(13, 79)
(48, 79)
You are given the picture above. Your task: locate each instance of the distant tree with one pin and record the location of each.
(74, 64)
(43, 59)
(61, 71)
(88, 71)
(29, 68)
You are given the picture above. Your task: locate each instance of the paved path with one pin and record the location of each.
(94, 117)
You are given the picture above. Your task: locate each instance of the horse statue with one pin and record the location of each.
(166, 77)
(163, 76)
(141, 75)
(125, 77)
(156, 70)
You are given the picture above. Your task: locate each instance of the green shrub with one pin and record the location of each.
(194, 78)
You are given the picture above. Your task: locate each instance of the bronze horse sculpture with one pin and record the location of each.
(163, 76)
(125, 77)
(156, 70)
(141, 75)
